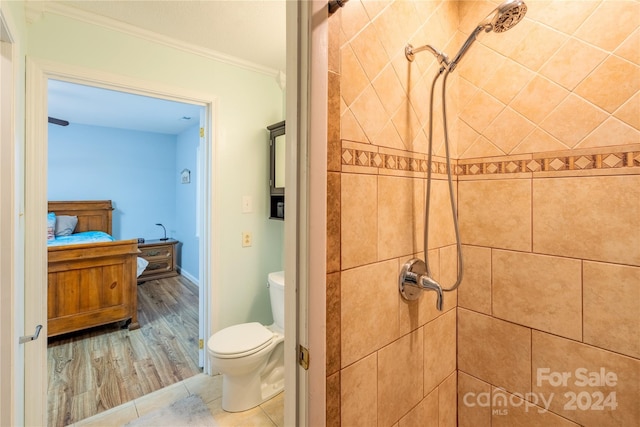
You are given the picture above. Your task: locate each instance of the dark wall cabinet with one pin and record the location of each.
(277, 170)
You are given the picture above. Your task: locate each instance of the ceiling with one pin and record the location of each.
(244, 31)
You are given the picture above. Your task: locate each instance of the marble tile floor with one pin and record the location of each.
(209, 388)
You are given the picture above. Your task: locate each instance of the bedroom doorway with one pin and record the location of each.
(36, 198)
(142, 154)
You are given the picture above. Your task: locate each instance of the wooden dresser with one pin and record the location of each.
(161, 255)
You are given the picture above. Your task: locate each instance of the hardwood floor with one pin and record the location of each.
(97, 369)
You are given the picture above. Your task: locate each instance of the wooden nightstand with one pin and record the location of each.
(161, 255)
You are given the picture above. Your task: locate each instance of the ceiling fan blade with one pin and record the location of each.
(58, 122)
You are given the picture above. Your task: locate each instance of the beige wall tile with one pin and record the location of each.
(508, 80)
(474, 292)
(396, 220)
(572, 120)
(448, 402)
(481, 147)
(610, 24)
(538, 291)
(539, 141)
(530, 104)
(393, 36)
(399, 386)
(566, 15)
(369, 304)
(353, 79)
(425, 414)
(353, 19)
(369, 112)
(540, 43)
(481, 110)
(508, 130)
(611, 132)
(611, 307)
(439, 349)
(358, 399)
(389, 88)
(572, 63)
(494, 351)
(595, 218)
(333, 323)
(496, 213)
(630, 111)
(369, 51)
(441, 231)
(629, 48)
(479, 63)
(333, 221)
(474, 402)
(334, 39)
(333, 399)
(350, 128)
(550, 356)
(334, 146)
(597, 88)
(359, 213)
(511, 410)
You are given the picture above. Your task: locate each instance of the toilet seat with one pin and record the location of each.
(239, 340)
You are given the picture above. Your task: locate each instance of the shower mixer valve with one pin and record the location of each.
(414, 279)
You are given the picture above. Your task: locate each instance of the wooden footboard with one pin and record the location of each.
(92, 284)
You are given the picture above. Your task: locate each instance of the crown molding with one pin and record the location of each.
(35, 10)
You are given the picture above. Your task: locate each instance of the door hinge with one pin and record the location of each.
(201, 344)
(303, 357)
(201, 132)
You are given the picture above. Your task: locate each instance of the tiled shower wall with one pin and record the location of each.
(544, 122)
(388, 361)
(549, 207)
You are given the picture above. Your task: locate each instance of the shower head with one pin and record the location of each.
(503, 18)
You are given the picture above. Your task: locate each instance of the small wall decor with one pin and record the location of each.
(185, 176)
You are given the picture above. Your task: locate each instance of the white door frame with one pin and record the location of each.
(38, 74)
(305, 209)
(9, 350)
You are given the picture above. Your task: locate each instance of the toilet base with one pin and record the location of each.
(240, 394)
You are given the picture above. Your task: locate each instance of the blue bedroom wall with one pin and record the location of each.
(136, 170)
(186, 157)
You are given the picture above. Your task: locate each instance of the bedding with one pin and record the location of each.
(93, 237)
(79, 238)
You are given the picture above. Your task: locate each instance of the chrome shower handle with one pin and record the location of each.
(414, 279)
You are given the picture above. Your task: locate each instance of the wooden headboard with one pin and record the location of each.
(93, 215)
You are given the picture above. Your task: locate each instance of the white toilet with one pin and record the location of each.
(250, 356)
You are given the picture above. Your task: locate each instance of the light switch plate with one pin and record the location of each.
(247, 204)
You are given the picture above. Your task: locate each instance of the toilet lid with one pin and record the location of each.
(245, 338)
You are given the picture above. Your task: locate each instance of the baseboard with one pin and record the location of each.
(188, 276)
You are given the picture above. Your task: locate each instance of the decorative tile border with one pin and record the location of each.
(355, 157)
(581, 160)
(554, 163)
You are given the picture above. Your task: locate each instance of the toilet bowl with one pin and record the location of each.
(250, 356)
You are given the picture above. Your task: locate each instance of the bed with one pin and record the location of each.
(90, 284)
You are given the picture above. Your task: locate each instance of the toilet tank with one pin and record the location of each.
(276, 294)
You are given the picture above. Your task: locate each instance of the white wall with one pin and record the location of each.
(247, 102)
